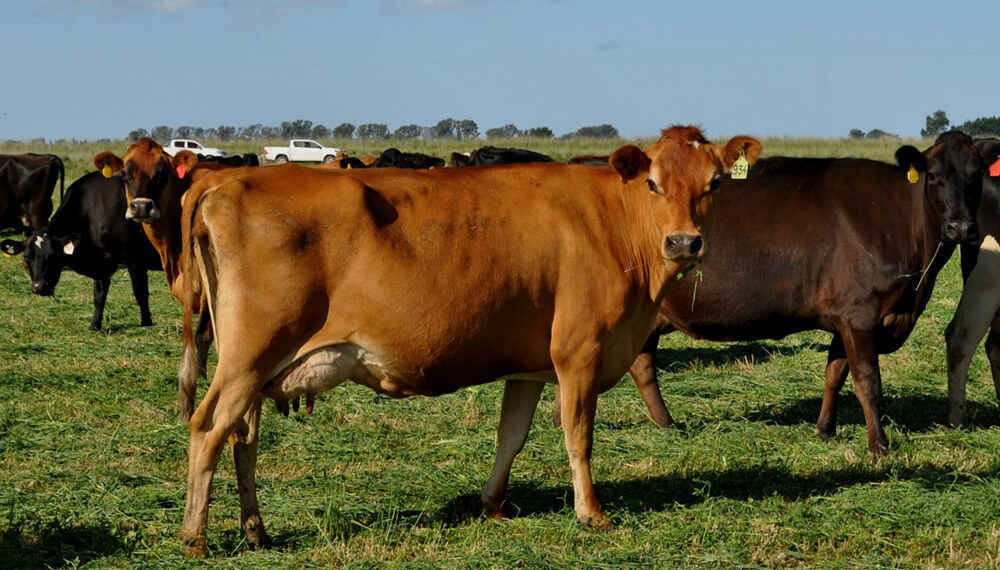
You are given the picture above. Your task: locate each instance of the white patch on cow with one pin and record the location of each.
(39, 241)
(69, 248)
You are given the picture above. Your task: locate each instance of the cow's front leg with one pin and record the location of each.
(243, 441)
(578, 392)
(863, 359)
(101, 287)
(520, 399)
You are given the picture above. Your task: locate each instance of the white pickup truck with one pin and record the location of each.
(177, 145)
(302, 150)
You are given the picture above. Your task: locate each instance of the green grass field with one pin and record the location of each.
(93, 462)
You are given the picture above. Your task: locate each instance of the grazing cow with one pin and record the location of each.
(491, 156)
(977, 310)
(89, 234)
(154, 183)
(394, 158)
(558, 271)
(847, 246)
(26, 185)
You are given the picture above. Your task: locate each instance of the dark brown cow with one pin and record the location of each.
(26, 185)
(848, 246)
(558, 272)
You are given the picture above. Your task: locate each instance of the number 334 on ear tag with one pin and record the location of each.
(740, 167)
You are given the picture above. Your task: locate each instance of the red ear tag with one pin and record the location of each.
(995, 168)
(181, 170)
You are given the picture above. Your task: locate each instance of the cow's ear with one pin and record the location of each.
(183, 162)
(381, 210)
(69, 243)
(10, 247)
(630, 162)
(747, 147)
(107, 163)
(909, 157)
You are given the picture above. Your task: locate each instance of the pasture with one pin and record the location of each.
(93, 461)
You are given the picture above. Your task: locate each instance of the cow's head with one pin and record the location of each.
(44, 258)
(147, 172)
(952, 173)
(682, 171)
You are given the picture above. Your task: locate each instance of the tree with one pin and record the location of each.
(508, 131)
(162, 133)
(320, 132)
(598, 132)
(444, 129)
(880, 134)
(937, 123)
(183, 132)
(373, 131)
(857, 134)
(251, 132)
(137, 134)
(981, 127)
(226, 132)
(541, 132)
(467, 129)
(344, 131)
(407, 132)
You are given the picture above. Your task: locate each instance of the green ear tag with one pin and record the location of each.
(912, 175)
(740, 167)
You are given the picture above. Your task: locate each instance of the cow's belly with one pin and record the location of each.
(325, 368)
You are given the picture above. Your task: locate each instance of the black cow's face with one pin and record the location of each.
(953, 170)
(44, 258)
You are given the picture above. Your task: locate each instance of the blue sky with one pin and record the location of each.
(90, 69)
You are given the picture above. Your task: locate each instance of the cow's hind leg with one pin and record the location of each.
(836, 374)
(993, 353)
(520, 399)
(243, 441)
(643, 372)
(229, 397)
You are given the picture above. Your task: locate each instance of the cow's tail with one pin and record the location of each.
(193, 300)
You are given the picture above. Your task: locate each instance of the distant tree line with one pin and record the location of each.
(937, 123)
(444, 129)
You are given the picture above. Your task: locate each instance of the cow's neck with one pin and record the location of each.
(643, 265)
(165, 233)
(931, 254)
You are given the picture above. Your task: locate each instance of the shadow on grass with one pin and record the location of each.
(57, 545)
(663, 493)
(727, 353)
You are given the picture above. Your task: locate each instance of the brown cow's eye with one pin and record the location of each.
(651, 184)
(715, 184)
(930, 176)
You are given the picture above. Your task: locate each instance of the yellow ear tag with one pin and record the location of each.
(7, 255)
(740, 168)
(912, 175)
(106, 171)
(348, 167)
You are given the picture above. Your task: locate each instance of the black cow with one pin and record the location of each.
(26, 185)
(90, 235)
(977, 312)
(849, 246)
(394, 158)
(491, 155)
(247, 159)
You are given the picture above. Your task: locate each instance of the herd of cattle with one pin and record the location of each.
(410, 278)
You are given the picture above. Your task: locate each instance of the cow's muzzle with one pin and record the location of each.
(683, 247)
(960, 230)
(142, 210)
(41, 288)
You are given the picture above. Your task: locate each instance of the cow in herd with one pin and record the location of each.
(90, 235)
(27, 182)
(572, 304)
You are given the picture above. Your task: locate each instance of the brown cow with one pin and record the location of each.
(847, 246)
(26, 185)
(556, 273)
(154, 184)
